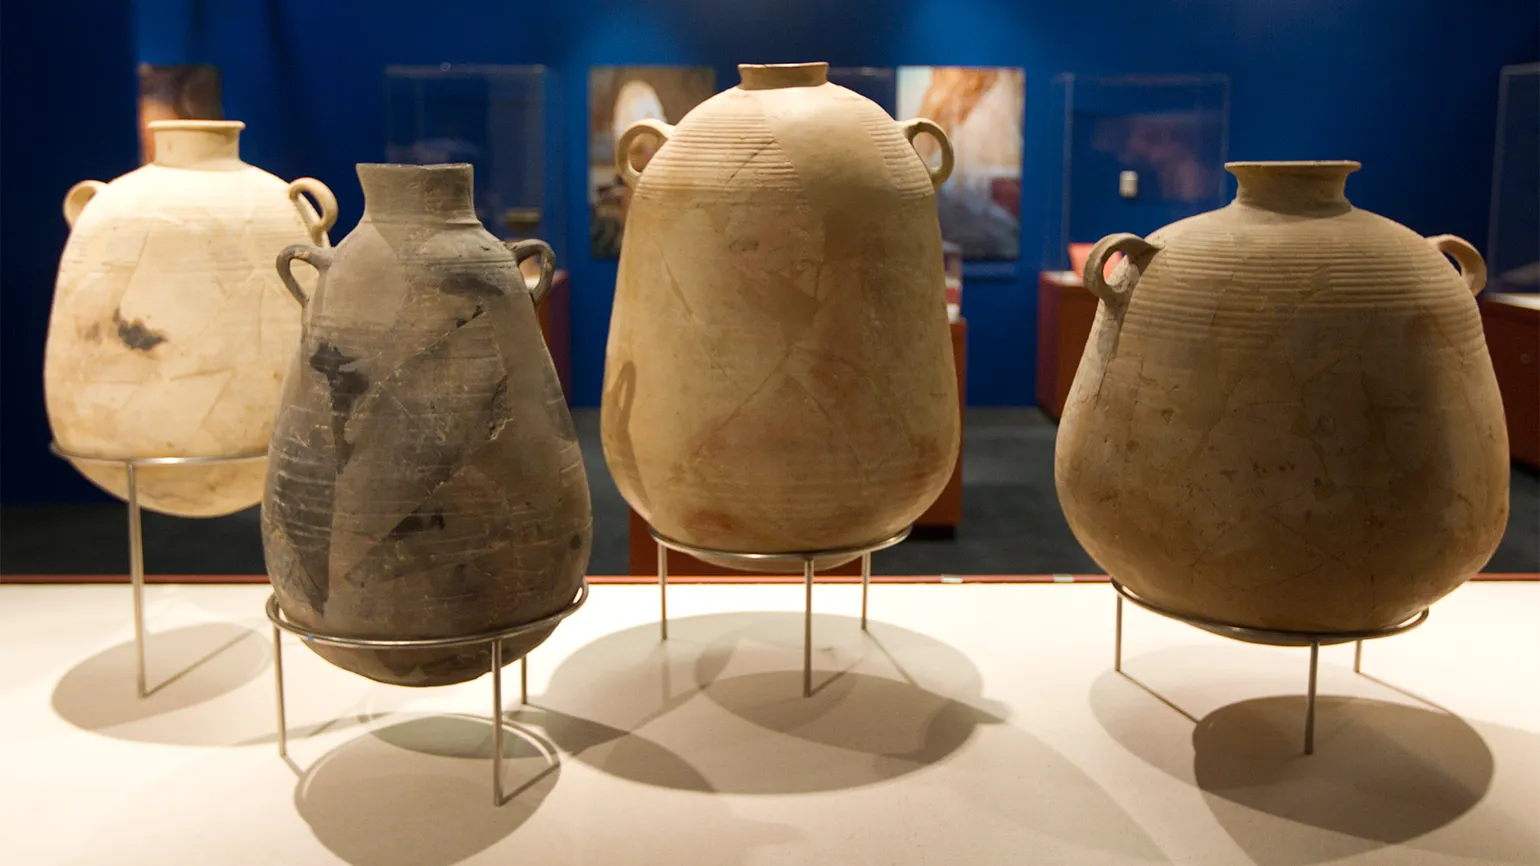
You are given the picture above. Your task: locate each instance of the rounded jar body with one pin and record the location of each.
(1286, 417)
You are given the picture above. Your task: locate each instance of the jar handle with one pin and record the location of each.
(325, 206)
(316, 257)
(527, 248)
(939, 174)
(1473, 269)
(78, 197)
(649, 126)
(1137, 249)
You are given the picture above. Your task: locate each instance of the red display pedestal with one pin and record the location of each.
(1065, 311)
(1512, 325)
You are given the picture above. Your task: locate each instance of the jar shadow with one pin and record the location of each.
(1383, 774)
(726, 690)
(187, 669)
(418, 791)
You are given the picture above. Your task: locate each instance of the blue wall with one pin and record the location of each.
(68, 104)
(1406, 86)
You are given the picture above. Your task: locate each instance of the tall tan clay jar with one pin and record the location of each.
(779, 374)
(1286, 417)
(170, 330)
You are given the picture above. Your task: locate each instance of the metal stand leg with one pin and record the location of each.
(136, 571)
(283, 720)
(524, 680)
(663, 589)
(807, 630)
(1358, 657)
(497, 723)
(1315, 663)
(866, 584)
(1117, 640)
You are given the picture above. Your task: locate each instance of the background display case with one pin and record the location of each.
(505, 121)
(1513, 240)
(1510, 307)
(879, 84)
(1136, 152)
(500, 119)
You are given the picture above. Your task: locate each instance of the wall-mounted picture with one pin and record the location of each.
(981, 108)
(618, 96)
(176, 93)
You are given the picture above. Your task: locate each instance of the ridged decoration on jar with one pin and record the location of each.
(424, 479)
(779, 373)
(170, 331)
(1286, 417)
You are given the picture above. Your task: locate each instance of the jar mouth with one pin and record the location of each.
(771, 76)
(411, 168)
(438, 190)
(1298, 166)
(196, 125)
(1315, 187)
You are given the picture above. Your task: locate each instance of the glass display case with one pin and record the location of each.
(506, 122)
(873, 82)
(1136, 152)
(503, 120)
(1513, 239)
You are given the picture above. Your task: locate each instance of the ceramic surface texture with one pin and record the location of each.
(779, 373)
(1286, 416)
(424, 478)
(170, 330)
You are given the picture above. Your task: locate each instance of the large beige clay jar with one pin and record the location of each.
(1286, 417)
(779, 374)
(170, 330)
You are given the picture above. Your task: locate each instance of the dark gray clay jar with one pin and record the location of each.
(424, 478)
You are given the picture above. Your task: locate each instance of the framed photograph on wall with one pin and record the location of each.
(982, 110)
(618, 96)
(176, 93)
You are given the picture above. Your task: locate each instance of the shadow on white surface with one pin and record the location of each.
(187, 669)
(419, 792)
(1383, 774)
(726, 691)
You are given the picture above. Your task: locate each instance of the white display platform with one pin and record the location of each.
(976, 724)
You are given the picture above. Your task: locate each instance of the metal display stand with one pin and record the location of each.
(758, 561)
(494, 639)
(131, 465)
(1269, 637)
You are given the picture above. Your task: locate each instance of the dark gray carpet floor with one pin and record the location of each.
(1011, 520)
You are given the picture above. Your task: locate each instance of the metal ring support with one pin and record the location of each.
(130, 466)
(275, 615)
(1270, 637)
(751, 561)
(55, 448)
(493, 638)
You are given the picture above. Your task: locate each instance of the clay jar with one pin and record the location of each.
(424, 478)
(1286, 417)
(779, 374)
(170, 331)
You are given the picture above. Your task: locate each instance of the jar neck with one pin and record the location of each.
(186, 143)
(773, 76)
(395, 193)
(1294, 187)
